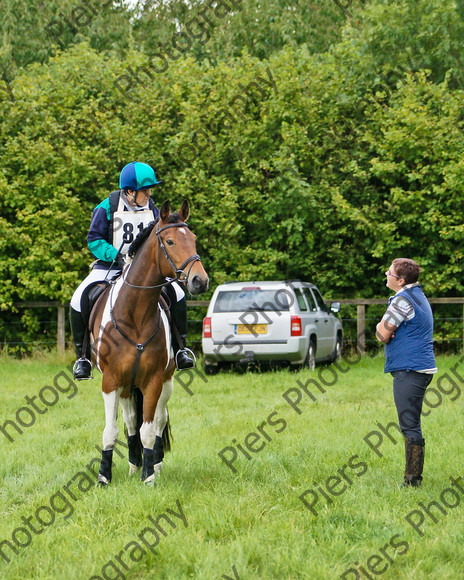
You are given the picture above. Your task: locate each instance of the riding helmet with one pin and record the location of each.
(137, 176)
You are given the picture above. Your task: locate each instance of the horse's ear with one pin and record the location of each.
(184, 210)
(165, 210)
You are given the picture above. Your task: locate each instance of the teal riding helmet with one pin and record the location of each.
(137, 176)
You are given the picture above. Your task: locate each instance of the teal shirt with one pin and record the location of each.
(99, 232)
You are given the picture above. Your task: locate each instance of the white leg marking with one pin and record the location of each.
(161, 414)
(102, 341)
(150, 480)
(129, 414)
(133, 469)
(167, 336)
(149, 431)
(147, 434)
(111, 431)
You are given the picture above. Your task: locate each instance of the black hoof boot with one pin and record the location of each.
(183, 360)
(104, 475)
(135, 452)
(82, 369)
(148, 472)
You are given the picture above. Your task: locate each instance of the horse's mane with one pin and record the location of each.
(143, 235)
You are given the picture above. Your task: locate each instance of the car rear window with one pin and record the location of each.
(300, 299)
(310, 299)
(246, 300)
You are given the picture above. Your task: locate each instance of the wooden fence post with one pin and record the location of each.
(361, 328)
(60, 333)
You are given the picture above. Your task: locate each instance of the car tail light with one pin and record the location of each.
(296, 326)
(207, 327)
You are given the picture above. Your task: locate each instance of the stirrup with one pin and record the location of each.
(83, 359)
(187, 350)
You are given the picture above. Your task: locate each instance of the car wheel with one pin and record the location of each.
(310, 360)
(337, 353)
(240, 368)
(211, 369)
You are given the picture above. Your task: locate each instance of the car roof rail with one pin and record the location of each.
(292, 280)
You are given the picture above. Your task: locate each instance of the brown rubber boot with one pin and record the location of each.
(414, 451)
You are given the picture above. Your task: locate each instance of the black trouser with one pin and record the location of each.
(408, 391)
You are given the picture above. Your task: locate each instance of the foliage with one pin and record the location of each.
(260, 27)
(319, 159)
(33, 30)
(387, 37)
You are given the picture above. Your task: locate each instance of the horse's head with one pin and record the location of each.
(178, 245)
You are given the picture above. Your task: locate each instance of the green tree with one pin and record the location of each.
(32, 30)
(386, 38)
(218, 33)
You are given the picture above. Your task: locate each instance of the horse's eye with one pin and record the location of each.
(169, 242)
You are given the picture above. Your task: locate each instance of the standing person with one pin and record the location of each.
(115, 223)
(406, 329)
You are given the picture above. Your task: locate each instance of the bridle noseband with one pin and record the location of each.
(177, 271)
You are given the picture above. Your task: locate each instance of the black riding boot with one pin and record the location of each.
(414, 450)
(179, 319)
(83, 367)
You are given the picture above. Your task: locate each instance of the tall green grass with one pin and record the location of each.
(252, 518)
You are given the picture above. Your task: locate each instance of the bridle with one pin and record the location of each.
(177, 271)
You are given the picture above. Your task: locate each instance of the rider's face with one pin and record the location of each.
(138, 197)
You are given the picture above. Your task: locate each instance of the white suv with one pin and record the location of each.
(288, 322)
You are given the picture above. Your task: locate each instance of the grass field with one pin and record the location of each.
(241, 517)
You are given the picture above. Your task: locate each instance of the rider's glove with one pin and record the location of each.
(119, 263)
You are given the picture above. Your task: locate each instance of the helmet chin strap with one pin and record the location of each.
(134, 199)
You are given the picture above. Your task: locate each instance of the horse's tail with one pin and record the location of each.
(167, 435)
(138, 397)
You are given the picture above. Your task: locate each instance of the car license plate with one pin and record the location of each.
(251, 329)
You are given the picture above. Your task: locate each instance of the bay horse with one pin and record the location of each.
(131, 340)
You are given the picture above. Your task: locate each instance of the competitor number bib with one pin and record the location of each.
(127, 225)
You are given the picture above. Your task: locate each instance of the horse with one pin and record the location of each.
(131, 341)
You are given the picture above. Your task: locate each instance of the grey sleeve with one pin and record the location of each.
(399, 310)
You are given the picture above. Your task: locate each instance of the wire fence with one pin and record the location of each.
(45, 325)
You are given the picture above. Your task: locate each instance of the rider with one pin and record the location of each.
(115, 223)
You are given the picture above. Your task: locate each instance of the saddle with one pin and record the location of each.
(90, 297)
(95, 290)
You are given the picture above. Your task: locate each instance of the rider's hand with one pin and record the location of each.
(119, 263)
